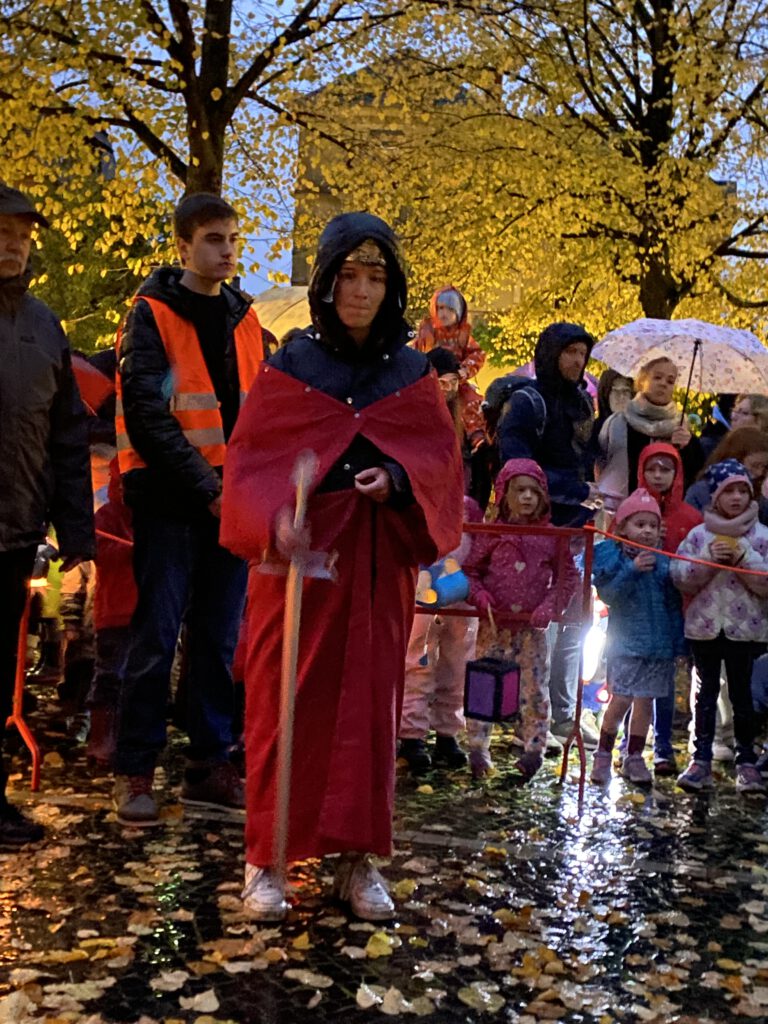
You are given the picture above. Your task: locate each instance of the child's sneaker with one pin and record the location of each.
(527, 765)
(664, 767)
(601, 767)
(722, 752)
(749, 779)
(634, 769)
(480, 763)
(697, 776)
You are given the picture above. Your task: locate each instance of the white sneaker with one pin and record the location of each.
(722, 752)
(264, 894)
(361, 885)
(590, 730)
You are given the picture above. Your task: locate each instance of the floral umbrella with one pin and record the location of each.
(711, 357)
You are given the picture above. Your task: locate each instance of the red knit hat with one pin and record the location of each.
(638, 501)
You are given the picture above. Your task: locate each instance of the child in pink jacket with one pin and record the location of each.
(519, 575)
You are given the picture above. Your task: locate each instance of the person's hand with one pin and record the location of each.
(645, 561)
(70, 562)
(374, 483)
(541, 616)
(724, 553)
(288, 540)
(482, 601)
(680, 436)
(594, 499)
(214, 507)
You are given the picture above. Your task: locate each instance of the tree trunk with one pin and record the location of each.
(206, 160)
(659, 296)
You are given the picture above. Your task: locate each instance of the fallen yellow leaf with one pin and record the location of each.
(381, 944)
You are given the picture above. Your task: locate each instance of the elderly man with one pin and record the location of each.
(44, 468)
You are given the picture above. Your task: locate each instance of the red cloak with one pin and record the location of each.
(354, 631)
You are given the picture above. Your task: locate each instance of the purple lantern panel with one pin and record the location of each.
(492, 689)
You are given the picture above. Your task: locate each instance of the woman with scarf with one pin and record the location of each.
(652, 415)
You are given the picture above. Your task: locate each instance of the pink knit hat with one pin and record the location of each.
(638, 501)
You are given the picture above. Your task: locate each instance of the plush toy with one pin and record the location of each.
(441, 584)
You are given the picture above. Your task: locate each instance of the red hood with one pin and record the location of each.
(674, 499)
(520, 467)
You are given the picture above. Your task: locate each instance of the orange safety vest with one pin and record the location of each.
(193, 400)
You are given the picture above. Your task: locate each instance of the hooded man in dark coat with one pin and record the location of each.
(557, 432)
(44, 468)
(550, 421)
(387, 496)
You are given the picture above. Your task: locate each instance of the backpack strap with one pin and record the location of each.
(539, 408)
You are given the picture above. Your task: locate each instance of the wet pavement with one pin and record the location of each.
(513, 905)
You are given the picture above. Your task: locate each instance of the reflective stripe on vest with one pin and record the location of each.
(193, 401)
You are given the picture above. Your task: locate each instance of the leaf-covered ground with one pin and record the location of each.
(513, 905)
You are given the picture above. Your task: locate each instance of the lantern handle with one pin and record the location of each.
(492, 621)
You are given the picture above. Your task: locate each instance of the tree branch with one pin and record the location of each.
(737, 300)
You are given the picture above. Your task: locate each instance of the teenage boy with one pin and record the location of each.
(187, 355)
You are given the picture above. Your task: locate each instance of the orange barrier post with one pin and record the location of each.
(17, 713)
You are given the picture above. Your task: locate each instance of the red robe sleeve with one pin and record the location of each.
(283, 417)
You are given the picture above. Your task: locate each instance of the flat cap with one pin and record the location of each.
(14, 202)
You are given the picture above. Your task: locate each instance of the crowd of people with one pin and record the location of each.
(193, 540)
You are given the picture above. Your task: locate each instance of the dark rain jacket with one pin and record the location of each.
(45, 472)
(325, 357)
(177, 480)
(562, 444)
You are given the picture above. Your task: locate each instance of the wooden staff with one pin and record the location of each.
(303, 476)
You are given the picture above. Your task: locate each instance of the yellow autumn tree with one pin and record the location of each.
(192, 96)
(595, 160)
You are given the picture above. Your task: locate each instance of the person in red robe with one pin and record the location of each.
(387, 496)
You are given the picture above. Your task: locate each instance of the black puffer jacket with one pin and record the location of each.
(326, 358)
(177, 480)
(562, 445)
(45, 473)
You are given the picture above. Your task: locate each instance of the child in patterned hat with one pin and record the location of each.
(726, 619)
(645, 631)
(448, 327)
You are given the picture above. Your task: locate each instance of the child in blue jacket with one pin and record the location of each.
(645, 631)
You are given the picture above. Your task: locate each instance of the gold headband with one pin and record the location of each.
(369, 253)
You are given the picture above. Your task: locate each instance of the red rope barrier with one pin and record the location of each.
(680, 558)
(112, 536)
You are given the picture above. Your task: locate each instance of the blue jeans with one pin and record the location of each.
(663, 717)
(183, 575)
(112, 645)
(564, 641)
